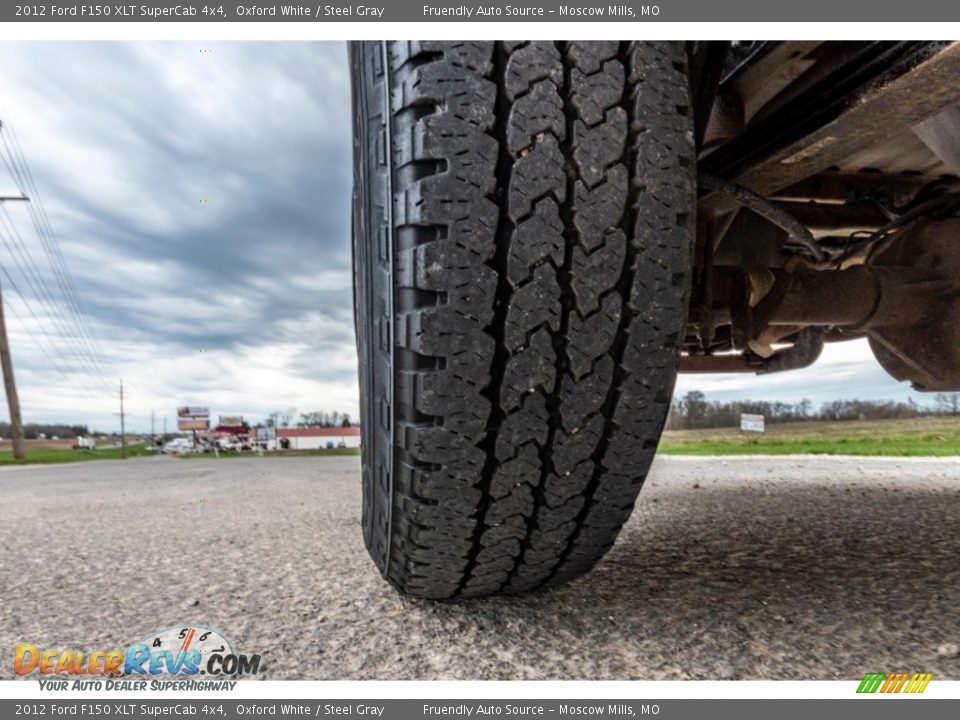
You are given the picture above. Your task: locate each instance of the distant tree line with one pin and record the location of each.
(314, 418)
(34, 430)
(693, 410)
(322, 418)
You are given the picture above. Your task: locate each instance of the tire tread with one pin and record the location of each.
(539, 237)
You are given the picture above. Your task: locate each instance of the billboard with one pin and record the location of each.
(193, 411)
(188, 423)
(230, 421)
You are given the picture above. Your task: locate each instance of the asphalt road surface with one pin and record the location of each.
(740, 568)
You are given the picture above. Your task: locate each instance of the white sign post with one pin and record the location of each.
(751, 423)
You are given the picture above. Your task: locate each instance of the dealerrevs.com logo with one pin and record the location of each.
(167, 658)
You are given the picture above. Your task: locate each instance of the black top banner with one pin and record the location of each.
(419, 11)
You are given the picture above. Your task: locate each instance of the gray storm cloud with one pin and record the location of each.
(201, 197)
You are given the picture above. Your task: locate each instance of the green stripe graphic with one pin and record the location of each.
(871, 682)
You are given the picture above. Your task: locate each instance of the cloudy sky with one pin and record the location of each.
(200, 195)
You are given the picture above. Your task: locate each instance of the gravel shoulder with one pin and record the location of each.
(730, 568)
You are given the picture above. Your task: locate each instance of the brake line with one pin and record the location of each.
(797, 231)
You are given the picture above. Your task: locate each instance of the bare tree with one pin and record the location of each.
(948, 403)
(323, 418)
(694, 410)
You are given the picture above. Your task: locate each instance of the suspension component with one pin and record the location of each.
(905, 298)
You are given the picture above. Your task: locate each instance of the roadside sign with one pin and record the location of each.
(193, 411)
(188, 423)
(751, 423)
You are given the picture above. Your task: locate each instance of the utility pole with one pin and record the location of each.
(153, 435)
(9, 383)
(123, 431)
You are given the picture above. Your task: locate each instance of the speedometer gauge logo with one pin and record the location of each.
(194, 643)
(187, 650)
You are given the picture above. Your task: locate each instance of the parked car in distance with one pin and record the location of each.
(85, 443)
(233, 443)
(179, 446)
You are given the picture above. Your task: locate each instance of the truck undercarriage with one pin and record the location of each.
(828, 195)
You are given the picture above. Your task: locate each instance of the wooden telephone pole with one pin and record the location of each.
(123, 431)
(9, 384)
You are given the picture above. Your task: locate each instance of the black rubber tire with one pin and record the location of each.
(522, 242)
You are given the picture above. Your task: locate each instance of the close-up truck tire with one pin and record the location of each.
(523, 226)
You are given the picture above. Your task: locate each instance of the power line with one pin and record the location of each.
(20, 170)
(38, 227)
(26, 327)
(36, 339)
(79, 332)
(31, 273)
(70, 293)
(61, 281)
